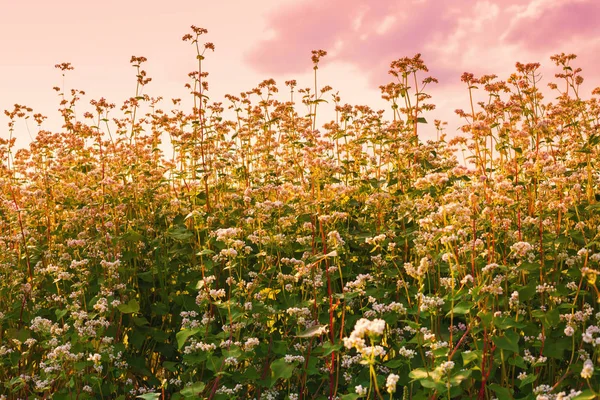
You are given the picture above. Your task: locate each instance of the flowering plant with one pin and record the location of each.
(268, 259)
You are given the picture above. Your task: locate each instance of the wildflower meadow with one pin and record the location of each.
(242, 250)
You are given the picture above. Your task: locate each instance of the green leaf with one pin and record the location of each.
(463, 307)
(502, 392)
(132, 236)
(460, 376)
(159, 309)
(140, 321)
(193, 390)
(329, 348)
(170, 366)
(180, 233)
(19, 334)
(519, 361)
(577, 237)
(585, 395)
(419, 373)
(395, 363)
(184, 334)
(149, 396)
(281, 369)
(205, 252)
(60, 313)
(316, 330)
(350, 396)
(509, 342)
(548, 319)
(471, 356)
(507, 323)
(431, 384)
(131, 307)
(558, 348)
(530, 379)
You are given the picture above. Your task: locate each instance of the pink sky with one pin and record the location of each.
(262, 39)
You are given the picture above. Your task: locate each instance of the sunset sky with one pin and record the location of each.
(261, 39)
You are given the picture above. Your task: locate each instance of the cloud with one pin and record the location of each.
(453, 35)
(553, 25)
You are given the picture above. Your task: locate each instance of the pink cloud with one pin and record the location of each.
(452, 35)
(555, 25)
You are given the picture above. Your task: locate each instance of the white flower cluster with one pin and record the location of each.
(39, 324)
(359, 284)
(195, 346)
(532, 360)
(429, 303)
(390, 383)
(588, 369)
(419, 271)
(365, 327)
(588, 336)
(521, 249)
(375, 240)
(334, 240)
(446, 367)
(360, 390)
(489, 268)
(543, 393)
(291, 358)
(393, 306)
(545, 287)
(437, 179)
(407, 353)
(251, 343)
(229, 391)
(226, 234)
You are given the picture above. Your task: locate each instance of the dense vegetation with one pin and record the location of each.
(265, 258)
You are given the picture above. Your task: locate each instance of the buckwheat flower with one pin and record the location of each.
(291, 358)
(335, 240)
(217, 294)
(588, 369)
(545, 288)
(364, 327)
(251, 343)
(95, 358)
(39, 324)
(569, 330)
(390, 383)
(429, 303)
(467, 279)
(588, 336)
(514, 299)
(372, 351)
(396, 307)
(542, 389)
(407, 352)
(5, 350)
(376, 327)
(230, 252)
(101, 305)
(446, 367)
(360, 390)
(231, 361)
(522, 376)
(520, 249)
(489, 268)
